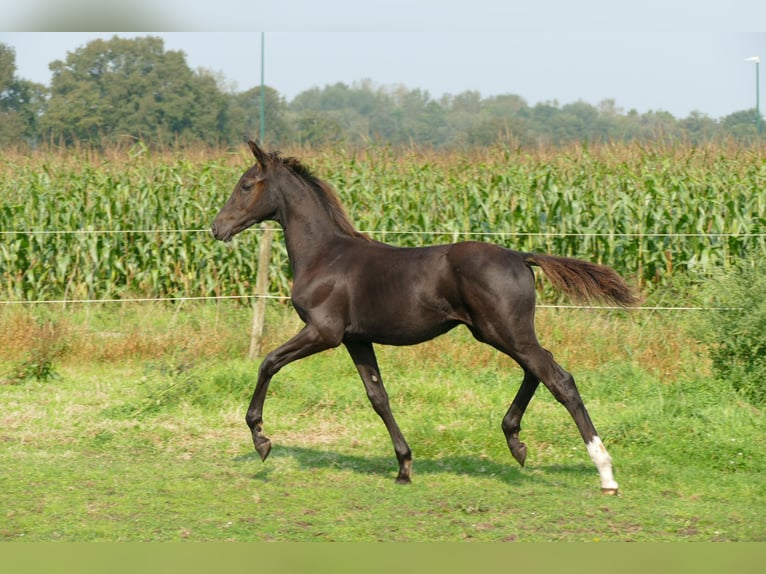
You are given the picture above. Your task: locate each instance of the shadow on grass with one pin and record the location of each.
(473, 466)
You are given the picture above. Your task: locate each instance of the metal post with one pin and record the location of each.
(263, 91)
(264, 250)
(758, 95)
(757, 61)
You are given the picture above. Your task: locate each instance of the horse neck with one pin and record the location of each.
(307, 225)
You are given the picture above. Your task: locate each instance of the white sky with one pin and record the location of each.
(678, 56)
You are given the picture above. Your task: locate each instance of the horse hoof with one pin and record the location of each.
(262, 447)
(519, 452)
(609, 491)
(403, 480)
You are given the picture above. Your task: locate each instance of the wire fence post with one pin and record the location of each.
(261, 291)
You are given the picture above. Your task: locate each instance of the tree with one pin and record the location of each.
(244, 117)
(114, 88)
(656, 125)
(21, 102)
(741, 125)
(110, 90)
(7, 69)
(506, 105)
(420, 120)
(363, 112)
(315, 128)
(511, 131)
(699, 128)
(468, 102)
(576, 122)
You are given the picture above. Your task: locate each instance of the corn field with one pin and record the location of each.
(130, 224)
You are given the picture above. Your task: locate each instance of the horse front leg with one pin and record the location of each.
(363, 356)
(254, 417)
(307, 342)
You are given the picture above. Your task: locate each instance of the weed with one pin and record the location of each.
(736, 332)
(48, 344)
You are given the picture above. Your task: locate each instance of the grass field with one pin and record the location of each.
(135, 432)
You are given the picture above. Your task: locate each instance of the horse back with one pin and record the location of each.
(403, 296)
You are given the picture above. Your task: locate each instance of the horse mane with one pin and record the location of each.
(323, 190)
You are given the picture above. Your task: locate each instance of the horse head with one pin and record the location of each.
(252, 200)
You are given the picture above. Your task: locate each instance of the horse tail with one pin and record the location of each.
(583, 281)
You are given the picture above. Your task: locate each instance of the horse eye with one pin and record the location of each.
(246, 187)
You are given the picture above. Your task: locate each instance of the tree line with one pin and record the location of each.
(111, 91)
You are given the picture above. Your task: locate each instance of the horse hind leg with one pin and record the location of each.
(512, 419)
(508, 325)
(539, 366)
(562, 386)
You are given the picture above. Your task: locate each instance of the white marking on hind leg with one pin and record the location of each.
(603, 462)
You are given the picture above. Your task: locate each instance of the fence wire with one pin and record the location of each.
(385, 232)
(287, 298)
(369, 232)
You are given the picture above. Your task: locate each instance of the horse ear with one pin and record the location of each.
(259, 154)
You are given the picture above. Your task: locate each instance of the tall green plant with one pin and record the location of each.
(135, 225)
(736, 330)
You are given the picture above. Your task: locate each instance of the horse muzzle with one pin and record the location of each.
(220, 234)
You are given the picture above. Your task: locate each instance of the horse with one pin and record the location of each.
(349, 289)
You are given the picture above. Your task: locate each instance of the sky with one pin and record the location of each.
(678, 56)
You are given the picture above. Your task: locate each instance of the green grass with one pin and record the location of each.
(152, 445)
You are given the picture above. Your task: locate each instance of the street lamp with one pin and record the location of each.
(757, 61)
